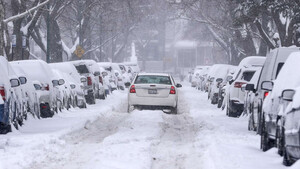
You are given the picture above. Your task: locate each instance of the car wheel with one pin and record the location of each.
(220, 101)
(102, 97)
(280, 140)
(230, 112)
(265, 143)
(174, 110)
(287, 161)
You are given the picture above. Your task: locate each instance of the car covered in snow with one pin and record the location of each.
(235, 96)
(5, 94)
(76, 80)
(291, 127)
(90, 83)
(38, 70)
(274, 61)
(274, 106)
(153, 91)
(249, 90)
(217, 74)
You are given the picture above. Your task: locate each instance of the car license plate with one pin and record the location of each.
(152, 91)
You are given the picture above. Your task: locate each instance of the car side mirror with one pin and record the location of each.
(229, 78)
(267, 85)
(231, 81)
(178, 85)
(288, 94)
(73, 86)
(14, 82)
(23, 80)
(219, 80)
(250, 87)
(127, 84)
(61, 82)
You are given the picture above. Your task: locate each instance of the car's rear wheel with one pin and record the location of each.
(287, 161)
(265, 142)
(174, 110)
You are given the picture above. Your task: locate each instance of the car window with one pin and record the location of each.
(82, 69)
(279, 68)
(152, 79)
(247, 76)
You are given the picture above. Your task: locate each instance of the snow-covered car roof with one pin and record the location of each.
(253, 61)
(288, 78)
(67, 67)
(153, 74)
(219, 70)
(36, 70)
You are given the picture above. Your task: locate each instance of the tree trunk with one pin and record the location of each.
(2, 14)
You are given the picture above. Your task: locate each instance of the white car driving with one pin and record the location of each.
(153, 91)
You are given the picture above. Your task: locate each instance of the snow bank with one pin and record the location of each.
(40, 137)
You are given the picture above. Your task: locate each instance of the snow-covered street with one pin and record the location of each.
(104, 136)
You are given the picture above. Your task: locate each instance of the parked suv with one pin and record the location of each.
(272, 66)
(90, 84)
(274, 106)
(235, 96)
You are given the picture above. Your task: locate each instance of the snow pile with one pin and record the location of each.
(40, 138)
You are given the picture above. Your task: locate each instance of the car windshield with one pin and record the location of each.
(82, 69)
(152, 79)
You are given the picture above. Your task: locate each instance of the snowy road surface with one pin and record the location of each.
(106, 137)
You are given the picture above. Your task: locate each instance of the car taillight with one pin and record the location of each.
(47, 87)
(89, 81)
(239, 84)
(266, 94)
(172, 90)
(100, 80)
(2, 93)
(132, 89)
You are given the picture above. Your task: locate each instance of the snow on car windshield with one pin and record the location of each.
(146, 79)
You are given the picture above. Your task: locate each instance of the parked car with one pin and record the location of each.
(111, 76)
(75, 79)
(134, 67)
(217, 74)
(274, 106)
(5, 99)
(273, 64)
(28, 91)
(203, 77)
(90, 83)
(153, 91)
(291, 129)
(235, 96)
(38, 70)
(94, 68)
(250, 89)
(222, 86)
(63, 90)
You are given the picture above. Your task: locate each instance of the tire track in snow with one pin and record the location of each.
(176, 147)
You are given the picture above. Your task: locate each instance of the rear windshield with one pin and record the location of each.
(82, 69)
(152, 79)
(247, 76)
